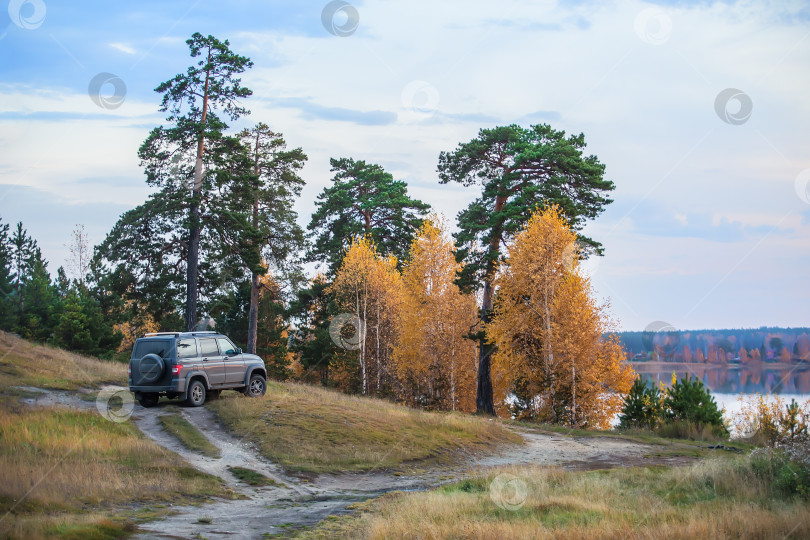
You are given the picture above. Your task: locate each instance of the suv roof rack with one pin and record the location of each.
(193, 333)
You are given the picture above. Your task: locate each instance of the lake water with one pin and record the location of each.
(728, 382)
(759, 378)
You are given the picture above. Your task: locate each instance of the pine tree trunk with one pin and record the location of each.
(18, 287)
(483, 398)
(253, 314)
(192, 266)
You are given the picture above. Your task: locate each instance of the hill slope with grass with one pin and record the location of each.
(71, 473)
(315, 430)
(67, 471)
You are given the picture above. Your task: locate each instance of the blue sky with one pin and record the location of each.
(711, 224)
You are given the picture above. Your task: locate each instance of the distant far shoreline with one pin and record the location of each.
(654, 367)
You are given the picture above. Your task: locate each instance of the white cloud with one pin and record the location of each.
(124, 48)
(25, 99)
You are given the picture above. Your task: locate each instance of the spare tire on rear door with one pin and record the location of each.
(151, 368)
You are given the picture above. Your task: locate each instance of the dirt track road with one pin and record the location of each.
(296, 502)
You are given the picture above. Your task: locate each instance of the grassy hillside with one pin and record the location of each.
(71, 473)
(306, 428)
(74, 474)
(23, 363)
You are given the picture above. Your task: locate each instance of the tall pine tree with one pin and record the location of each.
(363, 200)
(272, 190)
(518, 170)
(6, 278)
(191, 100)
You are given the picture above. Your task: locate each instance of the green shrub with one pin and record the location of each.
(769, 420)
(686, 410)
(688, 400)
(787, 476)
(643, 407)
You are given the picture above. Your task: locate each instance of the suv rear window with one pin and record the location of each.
(160, 347)
(186, 348)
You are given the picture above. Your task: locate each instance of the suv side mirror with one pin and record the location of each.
(238, 350)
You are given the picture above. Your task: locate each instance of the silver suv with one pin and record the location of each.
(192, 366)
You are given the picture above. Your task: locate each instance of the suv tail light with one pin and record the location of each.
(176, 369)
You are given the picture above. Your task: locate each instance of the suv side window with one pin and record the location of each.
(208, 347)
(186, 348)
(226, 347)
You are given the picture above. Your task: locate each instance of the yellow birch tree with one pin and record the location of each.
(551, 355)
(433, 361)
(368, 286)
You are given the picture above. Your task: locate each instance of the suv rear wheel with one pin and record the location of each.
(196, 393)
(256, 386)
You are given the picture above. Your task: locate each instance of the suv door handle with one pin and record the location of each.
(205, 359)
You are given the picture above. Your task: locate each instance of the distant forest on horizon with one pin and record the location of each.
(718, 346)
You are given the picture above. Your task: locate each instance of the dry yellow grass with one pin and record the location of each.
(69, 473)
(712, 499)
(59, 457)
(84, 526)
(23, 363)
(56, 462)
(313, 429)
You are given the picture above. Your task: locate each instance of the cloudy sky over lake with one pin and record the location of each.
(699, 110)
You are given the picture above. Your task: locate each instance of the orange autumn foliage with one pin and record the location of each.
(433, 362)
(369, 287)
(135, 327)
(547, 329)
